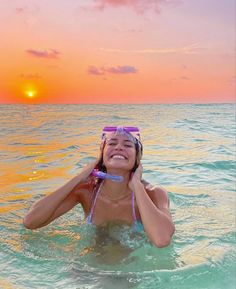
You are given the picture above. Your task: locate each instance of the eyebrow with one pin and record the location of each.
(115, 139)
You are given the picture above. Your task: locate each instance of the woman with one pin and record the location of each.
(129, 201)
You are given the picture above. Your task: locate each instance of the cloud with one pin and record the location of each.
(29, 14)
(95, 71)
(185, 78)
(189, 49)
(122, 69)
(125, 69)
(139, 6)
(29, 9)
(46, 54)
(30, 76)
(127, 30)
(180, 78)
(20, 10)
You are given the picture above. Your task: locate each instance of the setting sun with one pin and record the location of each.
(69, 64)
(30, 93)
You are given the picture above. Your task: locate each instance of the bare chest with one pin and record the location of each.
(108, 210)
(104, 210)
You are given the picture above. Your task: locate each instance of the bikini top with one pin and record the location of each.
(137, 225)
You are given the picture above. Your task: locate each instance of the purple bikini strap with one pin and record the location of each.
(90, 216)
(89, 219)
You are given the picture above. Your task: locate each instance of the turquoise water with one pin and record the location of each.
(188, 149)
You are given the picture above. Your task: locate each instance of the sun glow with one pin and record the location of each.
(30, 93)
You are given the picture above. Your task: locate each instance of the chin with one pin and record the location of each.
(118, 167)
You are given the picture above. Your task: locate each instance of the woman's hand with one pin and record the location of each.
(87, 170)
(136, 177)
(57, 203)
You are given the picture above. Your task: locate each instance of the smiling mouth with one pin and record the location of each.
(118, 157)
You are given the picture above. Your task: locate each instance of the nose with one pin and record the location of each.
(119, 146)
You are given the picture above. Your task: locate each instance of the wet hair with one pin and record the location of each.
(139, 153)
(100, 166)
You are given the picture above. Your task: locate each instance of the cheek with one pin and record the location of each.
(132, 156)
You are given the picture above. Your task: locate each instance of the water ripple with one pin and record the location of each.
(188, 149)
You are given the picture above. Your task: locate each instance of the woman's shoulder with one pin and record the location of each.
(85, 188)
(155, 190)
(150, 187)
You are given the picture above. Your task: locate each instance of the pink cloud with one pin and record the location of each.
(185, 78)
(125, 69)
(127, 30)
(180, 78)
(29, 14)
(189, 49)
(95, 71)
(46, 54)
(140, 6)
(30, 76)
(28, 9)
(20, 10)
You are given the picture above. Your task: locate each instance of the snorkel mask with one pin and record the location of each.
(131, 132)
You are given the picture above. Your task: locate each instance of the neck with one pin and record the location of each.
(117, 190)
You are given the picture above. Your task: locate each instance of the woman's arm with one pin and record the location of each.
(154, 211)
(59, 202)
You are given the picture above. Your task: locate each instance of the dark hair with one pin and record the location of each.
(139, 153)
(100, 166)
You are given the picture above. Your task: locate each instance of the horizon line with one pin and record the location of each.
(110, 103)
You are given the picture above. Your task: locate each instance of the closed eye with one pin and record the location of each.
(126, 143)
(112, 143)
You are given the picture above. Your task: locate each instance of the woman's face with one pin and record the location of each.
(119, 152)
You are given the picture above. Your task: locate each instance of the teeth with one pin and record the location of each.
(118, 157)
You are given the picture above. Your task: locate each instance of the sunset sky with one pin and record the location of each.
(117, 51)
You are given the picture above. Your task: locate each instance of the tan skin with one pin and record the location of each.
(115, 199)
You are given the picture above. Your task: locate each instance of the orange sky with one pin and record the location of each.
(106, 51)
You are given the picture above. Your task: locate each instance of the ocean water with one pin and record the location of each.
(188, 149)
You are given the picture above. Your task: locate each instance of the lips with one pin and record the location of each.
(118, 157)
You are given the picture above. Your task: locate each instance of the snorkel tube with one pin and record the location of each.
(102, 175)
